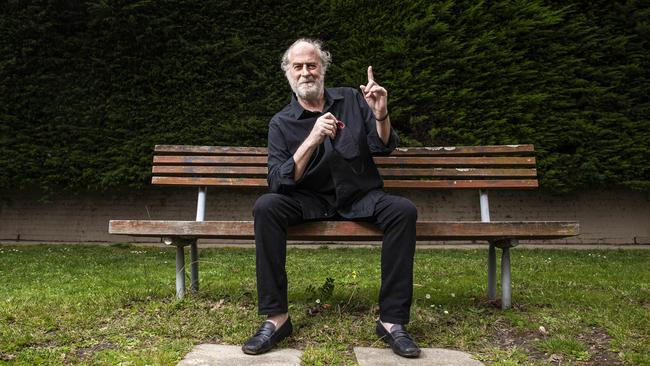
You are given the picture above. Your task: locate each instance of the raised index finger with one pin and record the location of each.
(370, 75)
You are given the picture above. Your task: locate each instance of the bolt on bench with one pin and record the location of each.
(419, 168)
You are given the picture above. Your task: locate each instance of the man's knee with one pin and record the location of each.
(267, 203)
(405, 209)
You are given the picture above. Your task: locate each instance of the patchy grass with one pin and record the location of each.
(89, 305)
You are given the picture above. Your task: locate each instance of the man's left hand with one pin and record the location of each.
(376, 96)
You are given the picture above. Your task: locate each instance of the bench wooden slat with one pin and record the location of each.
(385, 172)
(209, 170)
(523, 149)
(388, 183)
(456, 161)
(457, 172)
(219, 182)
(348, 230)
(380, 160)
(210, 150)
(402, 151)
(210, 160)
(458, 184)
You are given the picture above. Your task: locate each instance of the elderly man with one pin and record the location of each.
(320, 164)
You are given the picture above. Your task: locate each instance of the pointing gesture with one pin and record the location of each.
(376, 97)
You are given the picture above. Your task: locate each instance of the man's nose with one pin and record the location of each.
(304, 71)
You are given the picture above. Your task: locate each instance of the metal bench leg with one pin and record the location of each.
(194, 266)
(180, 272)
(492, 273)
(505, 278)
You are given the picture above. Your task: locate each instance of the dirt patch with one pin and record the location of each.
(6, 356)
(598, 342)
(506, 337)
(496, 304)
(596, 339)
(86, 352)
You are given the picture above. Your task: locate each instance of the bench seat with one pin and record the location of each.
(349, 230)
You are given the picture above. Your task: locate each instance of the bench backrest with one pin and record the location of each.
(482, 167)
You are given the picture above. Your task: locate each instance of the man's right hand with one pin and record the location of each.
(325, 126)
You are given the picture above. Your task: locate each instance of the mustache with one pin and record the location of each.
(304, 79)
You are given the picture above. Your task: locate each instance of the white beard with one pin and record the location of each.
(307, 91)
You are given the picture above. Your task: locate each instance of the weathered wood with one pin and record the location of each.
(400, 151)
(210, 150)
(198, 170)
(461, 184)
(219, 182)
(465, 167)
(210, 160)
(492, 161)
(388, 183)
(348, 230)
(457, 172)
(209, 170)
(465, 150)
(456, 161)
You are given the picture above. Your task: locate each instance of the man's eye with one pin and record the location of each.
(311, 67)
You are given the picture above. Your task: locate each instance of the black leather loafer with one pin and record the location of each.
(266, 337)
(400, 341)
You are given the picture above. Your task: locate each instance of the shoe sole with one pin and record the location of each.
(249, 352)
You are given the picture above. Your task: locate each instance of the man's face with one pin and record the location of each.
(304, 73)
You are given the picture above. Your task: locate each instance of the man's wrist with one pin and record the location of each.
(312, 142)
(382, 119)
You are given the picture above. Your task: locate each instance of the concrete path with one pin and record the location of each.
(222, 355)
(367, 356)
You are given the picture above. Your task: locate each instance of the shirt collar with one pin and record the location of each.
(331, 95)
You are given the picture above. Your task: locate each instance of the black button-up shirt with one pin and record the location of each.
(341, 176)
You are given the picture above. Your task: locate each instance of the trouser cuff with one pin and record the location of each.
(394, 320)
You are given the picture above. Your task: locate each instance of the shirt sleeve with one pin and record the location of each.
(376, 145)
(281, 165)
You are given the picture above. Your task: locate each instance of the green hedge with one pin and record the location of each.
(87, 89)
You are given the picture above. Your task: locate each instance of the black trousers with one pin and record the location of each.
(394, 215)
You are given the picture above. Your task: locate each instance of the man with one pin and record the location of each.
(320, 150)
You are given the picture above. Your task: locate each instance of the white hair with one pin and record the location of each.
(324, 56)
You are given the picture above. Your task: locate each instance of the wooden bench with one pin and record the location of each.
(419, 168)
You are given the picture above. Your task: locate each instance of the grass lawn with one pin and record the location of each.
(72, 304)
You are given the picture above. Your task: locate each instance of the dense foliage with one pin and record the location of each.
(87, 89)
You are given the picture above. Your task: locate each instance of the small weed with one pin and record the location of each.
(322, 293)
(581, 355)
(565, 345)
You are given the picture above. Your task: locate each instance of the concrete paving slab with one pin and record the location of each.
(225, 355)
(367, 356)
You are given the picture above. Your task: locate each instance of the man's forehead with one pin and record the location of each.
(303, 52)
